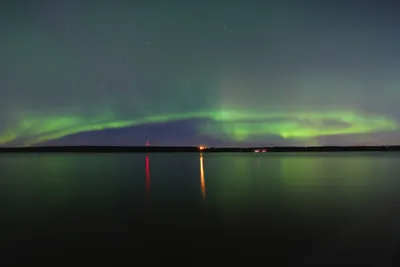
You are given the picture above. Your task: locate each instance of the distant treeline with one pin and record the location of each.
(170, 149)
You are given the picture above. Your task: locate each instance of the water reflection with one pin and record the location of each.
(147, 176)
(31, 180)
(202, 180)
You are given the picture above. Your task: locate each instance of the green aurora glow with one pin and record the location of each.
(236, 125)
(268, 72)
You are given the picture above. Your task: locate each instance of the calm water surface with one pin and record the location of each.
(306, 208)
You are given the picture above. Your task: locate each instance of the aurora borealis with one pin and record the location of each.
(248, 72)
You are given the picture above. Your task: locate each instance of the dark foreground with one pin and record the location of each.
(201, 209)
(176, 149)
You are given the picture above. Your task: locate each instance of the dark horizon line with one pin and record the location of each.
(152, 146)
(171, 149)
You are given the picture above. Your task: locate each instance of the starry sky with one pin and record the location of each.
(220, 73)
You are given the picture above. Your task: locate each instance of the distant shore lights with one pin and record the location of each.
(203, 148)
(260, 150)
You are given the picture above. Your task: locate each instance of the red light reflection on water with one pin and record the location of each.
(147, 177)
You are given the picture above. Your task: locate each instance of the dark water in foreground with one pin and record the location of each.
(302, 209)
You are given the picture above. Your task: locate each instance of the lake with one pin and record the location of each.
(202, 209)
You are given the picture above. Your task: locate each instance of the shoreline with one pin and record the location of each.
(185, 149)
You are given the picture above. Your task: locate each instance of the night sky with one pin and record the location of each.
(219, 73)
